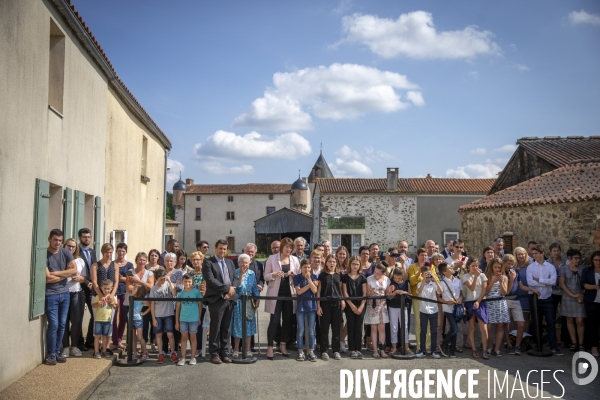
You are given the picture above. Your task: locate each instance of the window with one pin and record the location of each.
(197, 235)
(230, 215)
(508, 241)
(230, 198)
(56, 68)
(270, 210)
(145, 178)
(448, 236)
(198, 214)
(350, 241)
(270, 197)
(117, 237)
(198, 198)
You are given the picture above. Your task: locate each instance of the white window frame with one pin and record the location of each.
(113, 242)
(354, 250)
(446, 234)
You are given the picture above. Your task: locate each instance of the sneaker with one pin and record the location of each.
(511, 350)
(420, 354)
(445, 350)
(489, 352)
(65, 352)
(300, 357)
(106, 354)
(555, 351)
(109, 352)
(359, 355)
(497, 353)
(325, 357)
(193, 361)
(161, 358)
(51, 359)
(353, 355)
(343, 347)
(453, 352)
(518, 350)
(337, 356)
(312, 357)
(181, 362)
(174, 357)
(60, 358)
(435, 354)
(76, 352)
(97, 356)
(144, 356)
(235, 354)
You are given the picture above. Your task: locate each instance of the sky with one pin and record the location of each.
(250, 91)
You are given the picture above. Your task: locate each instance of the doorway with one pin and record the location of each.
(231, 244)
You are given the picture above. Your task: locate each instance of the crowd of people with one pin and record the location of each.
(341, 303)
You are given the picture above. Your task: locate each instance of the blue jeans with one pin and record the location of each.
(311, 317)
(450, 338)
(57, 309)
(546, 309)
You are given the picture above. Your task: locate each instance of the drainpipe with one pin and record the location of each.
(164, 221)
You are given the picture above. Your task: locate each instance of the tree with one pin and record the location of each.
(170, 209)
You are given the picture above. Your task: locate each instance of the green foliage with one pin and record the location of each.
(346, 222)
(170, 208)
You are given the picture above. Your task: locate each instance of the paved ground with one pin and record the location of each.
(289, 379)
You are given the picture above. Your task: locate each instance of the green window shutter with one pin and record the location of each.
(78, 211)
(68, 214)
(98, 226)
(39, 258)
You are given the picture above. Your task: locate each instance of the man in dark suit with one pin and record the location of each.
(89, 258)
(219, 275)
(447, 252)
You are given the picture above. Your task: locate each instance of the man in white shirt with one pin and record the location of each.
(428, 288)
(541, 275)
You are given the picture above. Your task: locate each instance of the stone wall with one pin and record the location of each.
(572, 225)
(388, 217)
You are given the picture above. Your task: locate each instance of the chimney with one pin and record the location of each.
(189, 181)
(392, 179)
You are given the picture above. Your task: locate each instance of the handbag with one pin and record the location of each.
(459, 311)
(250, 310)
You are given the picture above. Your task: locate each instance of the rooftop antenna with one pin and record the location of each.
(298, 174)
(321, 148)
(179, 175)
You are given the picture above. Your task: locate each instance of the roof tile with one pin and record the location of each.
(578, 181)
(406, 185)
(561, 151)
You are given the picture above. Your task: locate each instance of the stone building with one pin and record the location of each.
(353, 212)
(171, 230)
(561, 206)
(78, 150)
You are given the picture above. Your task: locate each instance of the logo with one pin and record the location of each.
(583, 363)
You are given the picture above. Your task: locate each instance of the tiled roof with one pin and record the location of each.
(406, 185)
(110, 66)
(560, 151)
(572, 183)
(247, 188)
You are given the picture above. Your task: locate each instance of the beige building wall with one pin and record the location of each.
(143, 221)
(35, 143)
(213, 225)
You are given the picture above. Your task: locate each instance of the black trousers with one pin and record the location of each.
(283, 310)
(73, 327)
(591, 324)
(331, 318)
(354, 322)
(147, 328)
(564, 332)
(220, 321)
(89, 337)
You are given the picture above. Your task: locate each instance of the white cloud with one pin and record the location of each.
(213, 167)
(414, 35)
(275, 112)
(228, 145)
(507, 148)
(521, 67)
(479, 151)
(340, 91)
(583, 17)
(175, 168)
(350, 162)
(474, 171)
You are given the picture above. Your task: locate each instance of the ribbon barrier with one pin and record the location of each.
(401, 354)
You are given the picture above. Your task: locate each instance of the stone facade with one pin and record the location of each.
(388, 217)
(572, 225)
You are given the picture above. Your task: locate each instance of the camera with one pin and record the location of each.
(130, 272)
(394, 255)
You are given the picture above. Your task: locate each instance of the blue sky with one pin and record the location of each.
(247, 91)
